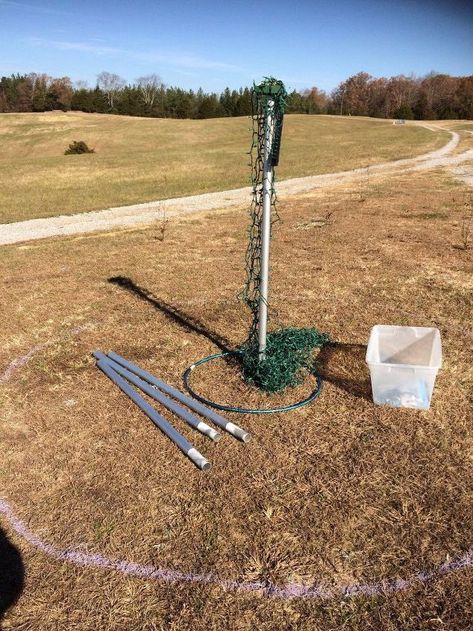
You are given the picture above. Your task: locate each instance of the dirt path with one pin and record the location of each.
(149, 212)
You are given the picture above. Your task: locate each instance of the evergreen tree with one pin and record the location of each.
(226, 102)
(404, 112)
(244, 103)
(433, 96)
(422, 109)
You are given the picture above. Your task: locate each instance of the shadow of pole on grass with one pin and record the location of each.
(12, 574)
(185, 320)
(344, 366)
(341, 364)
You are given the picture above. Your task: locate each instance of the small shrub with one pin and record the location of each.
(162, 228)
(465, 233)
(78, 146)
(466, 228)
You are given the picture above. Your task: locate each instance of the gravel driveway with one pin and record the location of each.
(149, 212)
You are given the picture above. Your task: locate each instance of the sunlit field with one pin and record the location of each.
(139, 160)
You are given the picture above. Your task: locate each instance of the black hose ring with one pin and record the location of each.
(230, 408)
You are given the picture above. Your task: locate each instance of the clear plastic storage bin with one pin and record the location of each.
(403, 362)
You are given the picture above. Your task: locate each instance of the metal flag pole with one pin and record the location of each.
(265, 229)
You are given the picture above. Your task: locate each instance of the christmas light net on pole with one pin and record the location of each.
(285, 356)
(289, 351)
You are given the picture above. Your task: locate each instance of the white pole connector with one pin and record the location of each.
(265, 231)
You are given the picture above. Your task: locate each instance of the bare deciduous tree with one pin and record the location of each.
(317, 100)
(80, 84)
(111, 84)
(149, 87)
(61, 92)
(400, 91)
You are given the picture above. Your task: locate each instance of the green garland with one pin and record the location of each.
(288, 358)
(288, 350)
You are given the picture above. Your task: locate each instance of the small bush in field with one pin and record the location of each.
(78, 146)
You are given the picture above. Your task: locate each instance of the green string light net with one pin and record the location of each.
(289, 350)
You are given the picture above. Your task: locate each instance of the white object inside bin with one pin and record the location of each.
(403, 363)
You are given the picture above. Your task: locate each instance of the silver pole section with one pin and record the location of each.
(231, 428)
(265, 231)
(183, 444)
(184, 414)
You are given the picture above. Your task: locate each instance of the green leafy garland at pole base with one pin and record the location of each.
(289, 351)
(289, 357)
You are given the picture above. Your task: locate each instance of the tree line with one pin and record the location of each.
(435, 96)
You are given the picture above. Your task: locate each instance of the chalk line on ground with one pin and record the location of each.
(291, 590)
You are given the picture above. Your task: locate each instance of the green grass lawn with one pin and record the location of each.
(140, 160)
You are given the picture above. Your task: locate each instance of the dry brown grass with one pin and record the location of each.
(341, 491)
(139, 160)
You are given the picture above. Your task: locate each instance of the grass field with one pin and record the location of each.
(140, 160)
(334, 494)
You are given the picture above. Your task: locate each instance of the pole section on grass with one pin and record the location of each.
(184, 414)
(191, 403)
(265, 230)
(177, 438)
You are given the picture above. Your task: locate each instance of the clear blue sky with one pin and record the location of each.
(192, 43)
